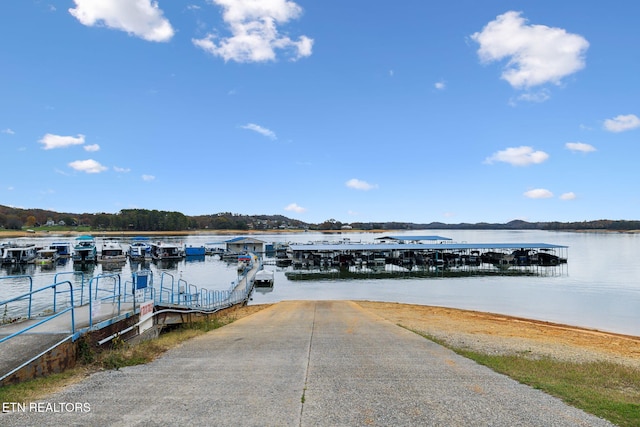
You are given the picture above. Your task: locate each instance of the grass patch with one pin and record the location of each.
(121, 354)
(29, 391)
(604, 389)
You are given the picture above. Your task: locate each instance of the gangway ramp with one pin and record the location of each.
(46, 340)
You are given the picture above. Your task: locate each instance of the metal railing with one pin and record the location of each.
(109, 287)
(72, 325)
(82, 285)
(114, 293)
(55, 314)
(28, 295)
(179, 292)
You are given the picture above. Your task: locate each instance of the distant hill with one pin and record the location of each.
(153, 220)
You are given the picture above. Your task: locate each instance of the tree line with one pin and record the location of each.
(155, 220)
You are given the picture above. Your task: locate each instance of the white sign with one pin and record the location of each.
(146, 310)
(146, 314)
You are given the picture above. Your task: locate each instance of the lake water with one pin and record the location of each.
(599, 287)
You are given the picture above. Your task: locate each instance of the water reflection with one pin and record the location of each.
(87, 268)
(139, 264)
(114, 267)
(19, 269)
(167, 264)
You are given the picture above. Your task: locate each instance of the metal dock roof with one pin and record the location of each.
(413, 238)
(420, 246)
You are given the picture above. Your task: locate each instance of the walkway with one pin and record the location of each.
(305, 363)
(22, 348)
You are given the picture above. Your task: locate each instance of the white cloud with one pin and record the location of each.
(580, 146)
(568, 196)
(622, 123)
(538, 193)
(148, 178)
(8, 131)
(536, 54)
(51, 141)
(141, 18)
(262, 131)
(357, 184)
(121, 170)
(440, 85)
(254, 36)
(88, 166)
(537, 96)
(92, 147)
(293, 207)
(518, 156)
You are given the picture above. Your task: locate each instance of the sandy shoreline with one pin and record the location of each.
(14, 233)
(500, 334)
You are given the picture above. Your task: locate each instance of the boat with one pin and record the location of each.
(46, 257)
(244, 261)
(62, 248)
(15, 254)
(163, 251)
(214, 248)
(84, 251)
(3, 246)
(547, 259)
(139, 248)
(264, 279)
(111, 252)
(195, 251)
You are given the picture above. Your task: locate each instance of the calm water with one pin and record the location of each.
(600, 287)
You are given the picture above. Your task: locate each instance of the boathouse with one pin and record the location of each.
(245, 244)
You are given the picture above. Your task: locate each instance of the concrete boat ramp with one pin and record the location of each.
(303, 363)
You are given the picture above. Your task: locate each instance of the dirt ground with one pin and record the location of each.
(499, 334)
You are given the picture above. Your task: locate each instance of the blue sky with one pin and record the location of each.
(419, 111)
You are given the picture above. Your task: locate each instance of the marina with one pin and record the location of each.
(64, 300)
(597, 287)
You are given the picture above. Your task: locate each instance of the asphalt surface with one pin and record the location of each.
(303, 363)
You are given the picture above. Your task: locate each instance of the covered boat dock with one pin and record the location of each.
(345, 260)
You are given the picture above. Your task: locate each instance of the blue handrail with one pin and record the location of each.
(82, 286)
(116, 292)
(24, 296)
(71, 309)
